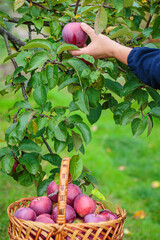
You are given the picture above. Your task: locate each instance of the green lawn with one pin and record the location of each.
(112, 146)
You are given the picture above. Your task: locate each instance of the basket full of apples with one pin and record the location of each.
(65, 213)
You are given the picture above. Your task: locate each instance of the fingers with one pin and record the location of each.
(90, 32)
(79, 52)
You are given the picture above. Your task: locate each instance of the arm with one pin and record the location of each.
(143, 62)
(102, 47)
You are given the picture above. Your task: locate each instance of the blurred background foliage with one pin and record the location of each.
(127, 168)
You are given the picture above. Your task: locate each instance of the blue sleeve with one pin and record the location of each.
(145, 64)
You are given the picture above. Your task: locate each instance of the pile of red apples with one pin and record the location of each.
(80, 208)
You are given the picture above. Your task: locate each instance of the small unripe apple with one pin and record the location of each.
(70, 214)
(51, 189)
(41, 205)
(84, 205)
(72, 192)
(25, 213)
(72, 33)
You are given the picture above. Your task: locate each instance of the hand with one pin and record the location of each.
(102, 46)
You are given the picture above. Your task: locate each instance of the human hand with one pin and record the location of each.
(102, 46)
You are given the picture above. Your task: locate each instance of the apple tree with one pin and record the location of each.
(43, 63)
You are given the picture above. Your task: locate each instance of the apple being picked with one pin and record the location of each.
(72, 33)
(72, 192)
(25, 213)
(94, 218)
(53, 189)
(84, 205)
(108, 215)
(41, 205)
(70, 214)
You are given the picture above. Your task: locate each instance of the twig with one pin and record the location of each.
(76, 7)
(16, 20)
(105, 6)
(148, 22)
(15, 65)
(39, 5)
(12, 38)
(47, 145)
(121, 69)
(15, 116)
(29, 32)
(44, 35)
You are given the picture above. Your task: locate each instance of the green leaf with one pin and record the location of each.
(74, 119)
(98, 194)
(100, 21)
(156, 28)
(42, 187)
(80, 99)
(52, 76)
(85, 131)
(23, 122)
(55, 28)
(87, 57)
(72, 107)
(78, 65)
(94, 114)
(118, 4)
(123, 32)
(141, 96)
(2, 22)
(76, 167)
(59, 146)
(68, 82)
(11, 56)
(130, 86)
(19, 79)
(138, 126)
(128, 3)
(7, 163)
(92, 180)
(40, 96)
(86, 2)
(77, 140)
(18, 70)
(93, 97)
(114, 87)
(29, 146)
(154, 94)
(128, 116)
(60, 131)
(26, 179)
(22, 104)
(155, 112)
(66, 46)
(38, 43)
(150, 125)
(18, 4)
(54, 159)
(38, 59)
(34, 11)
(31, 162)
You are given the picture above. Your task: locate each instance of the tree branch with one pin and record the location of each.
(16, 20)
(47, 145)
(12, 38)
(14, 64)
(148, 22)
(76, 7)
(105, 6)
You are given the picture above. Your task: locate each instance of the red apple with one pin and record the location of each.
(70, 214)
(84, 205)
(72, 193)
(25, 213)
(72, 33)
(53, 189)
(44, 220)
(108, 214)
(41, 205)
(45, 215)
(94, 218)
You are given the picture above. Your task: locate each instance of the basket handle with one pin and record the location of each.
(63, 187)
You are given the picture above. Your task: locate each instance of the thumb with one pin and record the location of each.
(87, 29)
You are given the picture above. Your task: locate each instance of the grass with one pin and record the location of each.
(112, 146)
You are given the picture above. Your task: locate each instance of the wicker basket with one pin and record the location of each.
(28, 230)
